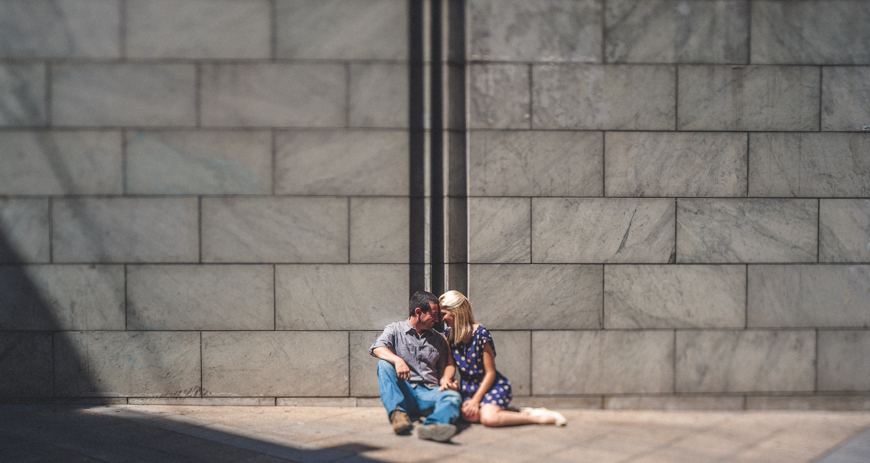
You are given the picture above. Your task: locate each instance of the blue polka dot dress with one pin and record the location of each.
(469, 360)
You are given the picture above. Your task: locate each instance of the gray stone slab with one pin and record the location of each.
(145, 95)
(379, 230)
(258, 363)
(62, 297)
(673, 31)
(499, 96)
(845, 98)
(809, 164)
(354, 162)
(378, 95)
(748, 98)
(273, 230)
(747, 230)
(844, 360)
(806, 32)
(844, 230)
(24, 234)
(499, 230)
(596, 362)
(674, 296)
(125, 230)
(456, 228)
(675, 164)
(514, 359)
(127, 363)
(273, 95)
(337, 29)
(745, 361)
(806, 296)
(363, 366)
(595, 97)
(201, 162)
(22, 95)
(814, 402)
(673, 403)
(536, 297)
(60, 29)
(200, 297)
(198, 29)
(60, 163)
(602, 230)
(517, 30)
(206, 401)
(340, 297)
(532, 163)
(26, 364)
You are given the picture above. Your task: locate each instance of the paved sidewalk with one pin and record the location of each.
(43, 433)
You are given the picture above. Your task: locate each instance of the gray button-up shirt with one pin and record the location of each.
(426, 354)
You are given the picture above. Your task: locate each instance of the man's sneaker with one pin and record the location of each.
(401, 423)
(437, 432)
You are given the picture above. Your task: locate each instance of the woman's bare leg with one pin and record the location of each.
(492, 415)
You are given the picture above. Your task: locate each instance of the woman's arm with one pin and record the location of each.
(473, 404)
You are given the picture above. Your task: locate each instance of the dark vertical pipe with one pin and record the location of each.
(417, 149)
(436, 156)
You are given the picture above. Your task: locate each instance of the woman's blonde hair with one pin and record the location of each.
(463, 317)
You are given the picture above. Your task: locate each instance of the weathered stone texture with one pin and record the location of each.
(844, 360)
(498, 96)
(290, 364)
(747, 230)
(668, 296)
(541, 297)
(673, 403)
(745, 361)
(806, 296)
(22, 95)
(26, 364)
(378, 95)
(844, 230)
(514, 359)
(845, 98)
(200, 297)
(24, 231)
(752, 98)
(650, 164)
(843, 403)
(602, 230)
(363, 366)
(596, 362)
(499, 230)
(379, 230)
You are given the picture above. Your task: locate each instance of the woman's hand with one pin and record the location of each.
(470, 409)
(447, 383)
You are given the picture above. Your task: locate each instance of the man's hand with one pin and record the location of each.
(447, 383)
(470, 410)
(402, 370)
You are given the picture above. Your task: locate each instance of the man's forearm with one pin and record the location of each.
(386, 354)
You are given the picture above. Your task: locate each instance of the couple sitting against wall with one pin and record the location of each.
(417, 366)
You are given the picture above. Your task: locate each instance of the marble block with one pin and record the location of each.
(536, 297)
(745, 361)
(808, 296)
(127, 363)
(844, 230)
(520, 30)
(273, 95)
(62, 297)
(807, 32)
(599, 362)
(845, 98)
(602, 230)
(596, 97)
(499, 96)
(146, 95)
(499, 230)
(456, 229)
(26, 364)
(378, 95)
(125, 230)
(379, 230)
(363, 366)
(747, 230)
(60, 29)
(24, 234)
(513, 359)
(200, 297)
(338, 29)
(809, 164)
(270, 229)
(533, 163)
(759, 98)
(198, 29)
(22, 95)
(340, 297)
(290, 364)
(674, 296)
(844, 360)
(353, 162)
(201, 162)
(644, 164)
(60, 163)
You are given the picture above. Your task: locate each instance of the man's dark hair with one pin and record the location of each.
(421, 300)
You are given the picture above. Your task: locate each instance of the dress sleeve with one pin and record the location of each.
(485, 337)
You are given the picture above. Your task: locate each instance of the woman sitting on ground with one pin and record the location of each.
(485, 392)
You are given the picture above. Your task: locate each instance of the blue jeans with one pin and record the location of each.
(398, 394)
